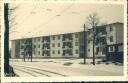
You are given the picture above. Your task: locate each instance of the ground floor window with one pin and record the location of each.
(34, 52)
(22, 53)
(103, 50)
(97, 50)
(38, 52)
(111, 49)
(58, 52)
(53, 52)
(76, 51)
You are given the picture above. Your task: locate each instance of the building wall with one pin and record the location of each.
(74, 43)
(22, 46)
(115, 49)
(12, 49)
(76, 51)
(111, 34)
(90, 44)
(56, 46)
(100, 42)
(90, 49)
(37, 47)
(57, 40)
(119, 33)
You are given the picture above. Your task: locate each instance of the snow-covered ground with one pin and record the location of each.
(65, 67)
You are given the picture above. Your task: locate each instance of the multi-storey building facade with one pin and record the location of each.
(115, 41)
(56, 46)
(108, 44)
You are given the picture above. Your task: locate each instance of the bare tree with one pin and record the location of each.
(92, 22)
(103, 23)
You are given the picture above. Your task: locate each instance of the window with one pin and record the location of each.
(76, 43)
(34, 52)
(38, 39)
(58, 44)
(97, 50)
(111, 38)
(111, 49)
(103, 51)
(53, 38)
(76, 51)
(76, 35)
(39, 46)
(22, 47)
(58, 51)
(53, 45)
(22, 41)
(22, 53)
(58, 37)
(88, 41)
(111, 29)
(38, 52)
(35, 40)
(42, 53)
(53, 52)
(34, 46)
(89, 50)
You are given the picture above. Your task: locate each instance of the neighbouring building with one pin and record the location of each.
(108, 44)
(115, 39)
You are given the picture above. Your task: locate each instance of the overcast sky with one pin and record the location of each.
(57, 18)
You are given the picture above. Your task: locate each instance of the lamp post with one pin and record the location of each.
(94, 34)
(84, 46)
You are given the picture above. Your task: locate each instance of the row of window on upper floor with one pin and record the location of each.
(53, 38)
(111, 39)
(53, 45)
(103, 30)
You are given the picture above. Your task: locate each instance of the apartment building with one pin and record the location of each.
(108, 42)
(115, 41)
(55, 46)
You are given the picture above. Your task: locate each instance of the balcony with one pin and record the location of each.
(101, 40)
(45, 53)
(46, 40)
(46, 47)
(67, 52)
(67, 37)
(67, 45)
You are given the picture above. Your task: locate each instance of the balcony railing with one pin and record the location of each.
(46, 39)
(67, 45)
(46, 53)
(67, 37)
(67, 52)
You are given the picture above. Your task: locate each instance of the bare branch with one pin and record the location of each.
(93, 20)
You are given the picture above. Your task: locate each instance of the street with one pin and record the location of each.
(63, 68)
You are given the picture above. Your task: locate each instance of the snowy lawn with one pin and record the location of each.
(72, 67)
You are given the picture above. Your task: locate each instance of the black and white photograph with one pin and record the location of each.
(63, 39)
